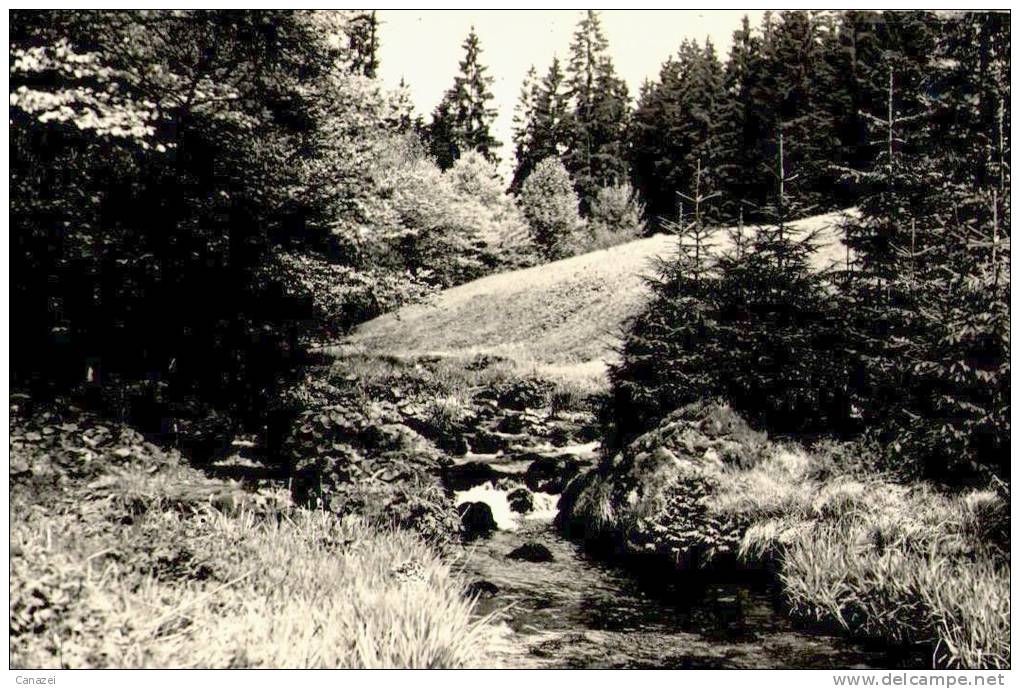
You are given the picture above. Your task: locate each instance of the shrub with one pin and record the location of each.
(342, 296)
(550, 204)
(615, 217)
(427, 227)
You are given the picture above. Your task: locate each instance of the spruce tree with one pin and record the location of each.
(596, 144)
(673, 354)
(803, 83)
(932, 242)
(462, 120)
(786, 368)
(552, 113)
(892, 240)
(741, 123)
(403, 117)
(855, 50)
(541, 122)
(444, 141)
(363, 44)
(676, 125)
(648, 159)
(524, 126)
(961, 351)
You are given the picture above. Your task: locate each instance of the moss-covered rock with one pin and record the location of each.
(650, 496)
(476, 519)
(520, 500)
(551, 473)
(523, 394)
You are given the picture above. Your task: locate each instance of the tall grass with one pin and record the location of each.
(959, 608)
(143, 568)
(901, 564)
(307, 592)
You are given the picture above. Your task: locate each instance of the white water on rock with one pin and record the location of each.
(505, 518)
(544, 509)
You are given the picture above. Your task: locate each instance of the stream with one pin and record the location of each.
(581, 612)
(576, 610)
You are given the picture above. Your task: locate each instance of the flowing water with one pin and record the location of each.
(581, 612)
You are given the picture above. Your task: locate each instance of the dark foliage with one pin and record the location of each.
(910, 340)
(161, 163)
(462, 120)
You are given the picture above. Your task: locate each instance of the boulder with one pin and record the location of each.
(513, 422)
(524, 394)
(481, 589)
(560, 435)
(528, 421)
(661, 478)
(589, 433)
(507, 483)
(551, 473)
(529, 456)
(520, 501)
(450, 440)
(458, 445)
(393, 436)
(486, 442)
(476, 519)
(468, 475)
(531, 552)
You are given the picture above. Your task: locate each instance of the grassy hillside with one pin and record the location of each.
(563, 319)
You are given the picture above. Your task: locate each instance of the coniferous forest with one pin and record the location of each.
(272, 326)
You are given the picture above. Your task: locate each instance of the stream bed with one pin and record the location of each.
(577, 611)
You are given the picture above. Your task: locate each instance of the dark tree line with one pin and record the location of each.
(816, 77)
(908, 340)
(579, 112)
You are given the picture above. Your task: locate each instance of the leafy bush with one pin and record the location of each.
(422, 506)
(427, 227)
(342, 296)
(508, 239)
(550, 204)
(444, 228)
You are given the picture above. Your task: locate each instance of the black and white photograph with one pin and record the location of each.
(543, 339)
